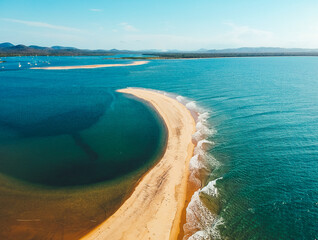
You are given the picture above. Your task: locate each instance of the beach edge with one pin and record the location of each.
(154, 209)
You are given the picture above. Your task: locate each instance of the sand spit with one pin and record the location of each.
(135, 63)
(154, 209)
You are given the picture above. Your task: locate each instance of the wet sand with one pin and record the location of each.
(135, 63)
(28, 212)
(154, 210)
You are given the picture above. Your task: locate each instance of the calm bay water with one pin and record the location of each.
(265, 112)
(65, 134)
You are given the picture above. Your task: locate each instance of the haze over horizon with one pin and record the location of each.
(139, 25)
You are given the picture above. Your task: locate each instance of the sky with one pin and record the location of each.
(160, 24)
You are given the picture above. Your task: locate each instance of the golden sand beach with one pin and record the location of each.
(135, 63)
(154, 209)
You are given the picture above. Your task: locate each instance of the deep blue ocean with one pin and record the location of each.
(264, 112)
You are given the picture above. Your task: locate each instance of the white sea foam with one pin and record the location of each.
(202, 146)
(203, 116)
(191, 106)
(201, 223)
(180, 99)
(210, 189)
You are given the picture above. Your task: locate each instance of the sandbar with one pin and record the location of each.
(154, 209)
(135, 63)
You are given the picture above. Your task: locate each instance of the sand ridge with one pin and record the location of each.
(135, 63)
(154, 209)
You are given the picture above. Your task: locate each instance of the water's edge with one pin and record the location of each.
(201, 217)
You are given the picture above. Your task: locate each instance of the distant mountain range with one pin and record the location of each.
(9, 49)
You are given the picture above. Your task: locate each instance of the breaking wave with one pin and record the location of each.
(201, 223)
(202, 220)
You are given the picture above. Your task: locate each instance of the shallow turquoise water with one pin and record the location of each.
(59, 133)
(265, 112)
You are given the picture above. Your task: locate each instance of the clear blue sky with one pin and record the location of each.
(160, 24)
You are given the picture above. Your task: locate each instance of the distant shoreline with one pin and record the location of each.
(135, 63)
(154, 210)
(167, 56)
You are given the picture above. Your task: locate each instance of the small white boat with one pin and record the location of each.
(19, 65)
